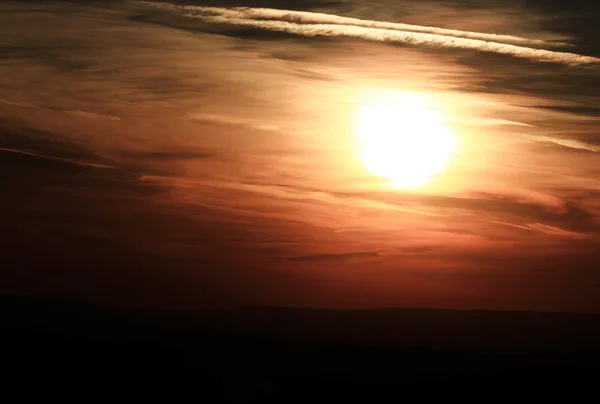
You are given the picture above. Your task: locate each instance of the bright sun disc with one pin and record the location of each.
(403, 139)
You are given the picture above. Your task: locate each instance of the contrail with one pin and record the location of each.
(307, 24)
(303, 17)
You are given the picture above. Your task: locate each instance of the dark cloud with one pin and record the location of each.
(587, 110)
(577, 19)
(46, 144)
(57, 57)
(537, 80)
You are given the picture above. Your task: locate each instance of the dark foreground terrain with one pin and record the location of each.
(64, 351)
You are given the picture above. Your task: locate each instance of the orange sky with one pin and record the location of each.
(157, 159)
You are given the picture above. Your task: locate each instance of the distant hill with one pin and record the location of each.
(493, 331)
(442, 329)
(79, 352)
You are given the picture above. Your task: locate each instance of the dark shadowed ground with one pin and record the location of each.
(72, 352)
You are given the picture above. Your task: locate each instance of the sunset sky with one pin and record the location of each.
(194, 154)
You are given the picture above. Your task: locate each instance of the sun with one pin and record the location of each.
(403, 138)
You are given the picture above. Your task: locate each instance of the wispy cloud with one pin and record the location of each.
(570, 143)
(318, 24)
(63, 160)
(337, 256)
(93, 115)
(554, 230)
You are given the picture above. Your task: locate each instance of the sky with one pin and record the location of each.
(193, 154)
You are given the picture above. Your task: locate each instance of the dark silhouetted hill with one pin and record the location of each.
(68, 351)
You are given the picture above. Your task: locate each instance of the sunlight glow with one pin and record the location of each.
(403, 138)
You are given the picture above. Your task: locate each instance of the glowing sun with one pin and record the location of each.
(403, 139)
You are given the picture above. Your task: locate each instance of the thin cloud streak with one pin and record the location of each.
(63, 160)
(570, 143)
(384, 35)
(337, 257)
(304, 17)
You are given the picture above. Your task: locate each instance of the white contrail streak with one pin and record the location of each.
(306, 24)
(303, 17)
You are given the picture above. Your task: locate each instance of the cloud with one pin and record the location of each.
(570, 143)
(57, 159)
(543, 228)
(30, 142)
(317, 24)
(93, 115)
(303, 17)
(85, 114)
(336, 257)
(171, 155)
(233, 120)
(525, 212)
